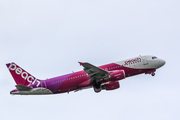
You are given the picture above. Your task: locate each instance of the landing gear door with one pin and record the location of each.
(145, 61)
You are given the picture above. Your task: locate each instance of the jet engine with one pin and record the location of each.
(117, 75)
(107, 86)
(111, 86)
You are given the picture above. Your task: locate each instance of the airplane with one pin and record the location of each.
(105, 77)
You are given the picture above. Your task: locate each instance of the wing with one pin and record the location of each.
(96, 74)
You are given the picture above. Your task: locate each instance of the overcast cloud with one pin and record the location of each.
(48, 38)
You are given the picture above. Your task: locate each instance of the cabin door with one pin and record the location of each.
(145, 61)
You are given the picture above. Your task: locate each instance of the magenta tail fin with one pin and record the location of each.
(20, 76)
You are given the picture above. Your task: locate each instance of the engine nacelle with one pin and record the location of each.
(117, 75)
(111, 85)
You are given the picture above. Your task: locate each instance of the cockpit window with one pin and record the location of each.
(154, 57)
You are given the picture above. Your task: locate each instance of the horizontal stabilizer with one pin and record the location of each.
(23, 88)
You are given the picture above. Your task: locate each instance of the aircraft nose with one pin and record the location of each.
(162, 62)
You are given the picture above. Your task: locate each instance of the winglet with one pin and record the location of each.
(80, 63)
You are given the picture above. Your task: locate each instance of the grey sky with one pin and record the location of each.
(48, 38)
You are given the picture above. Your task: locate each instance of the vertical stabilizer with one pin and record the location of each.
(20, 76)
